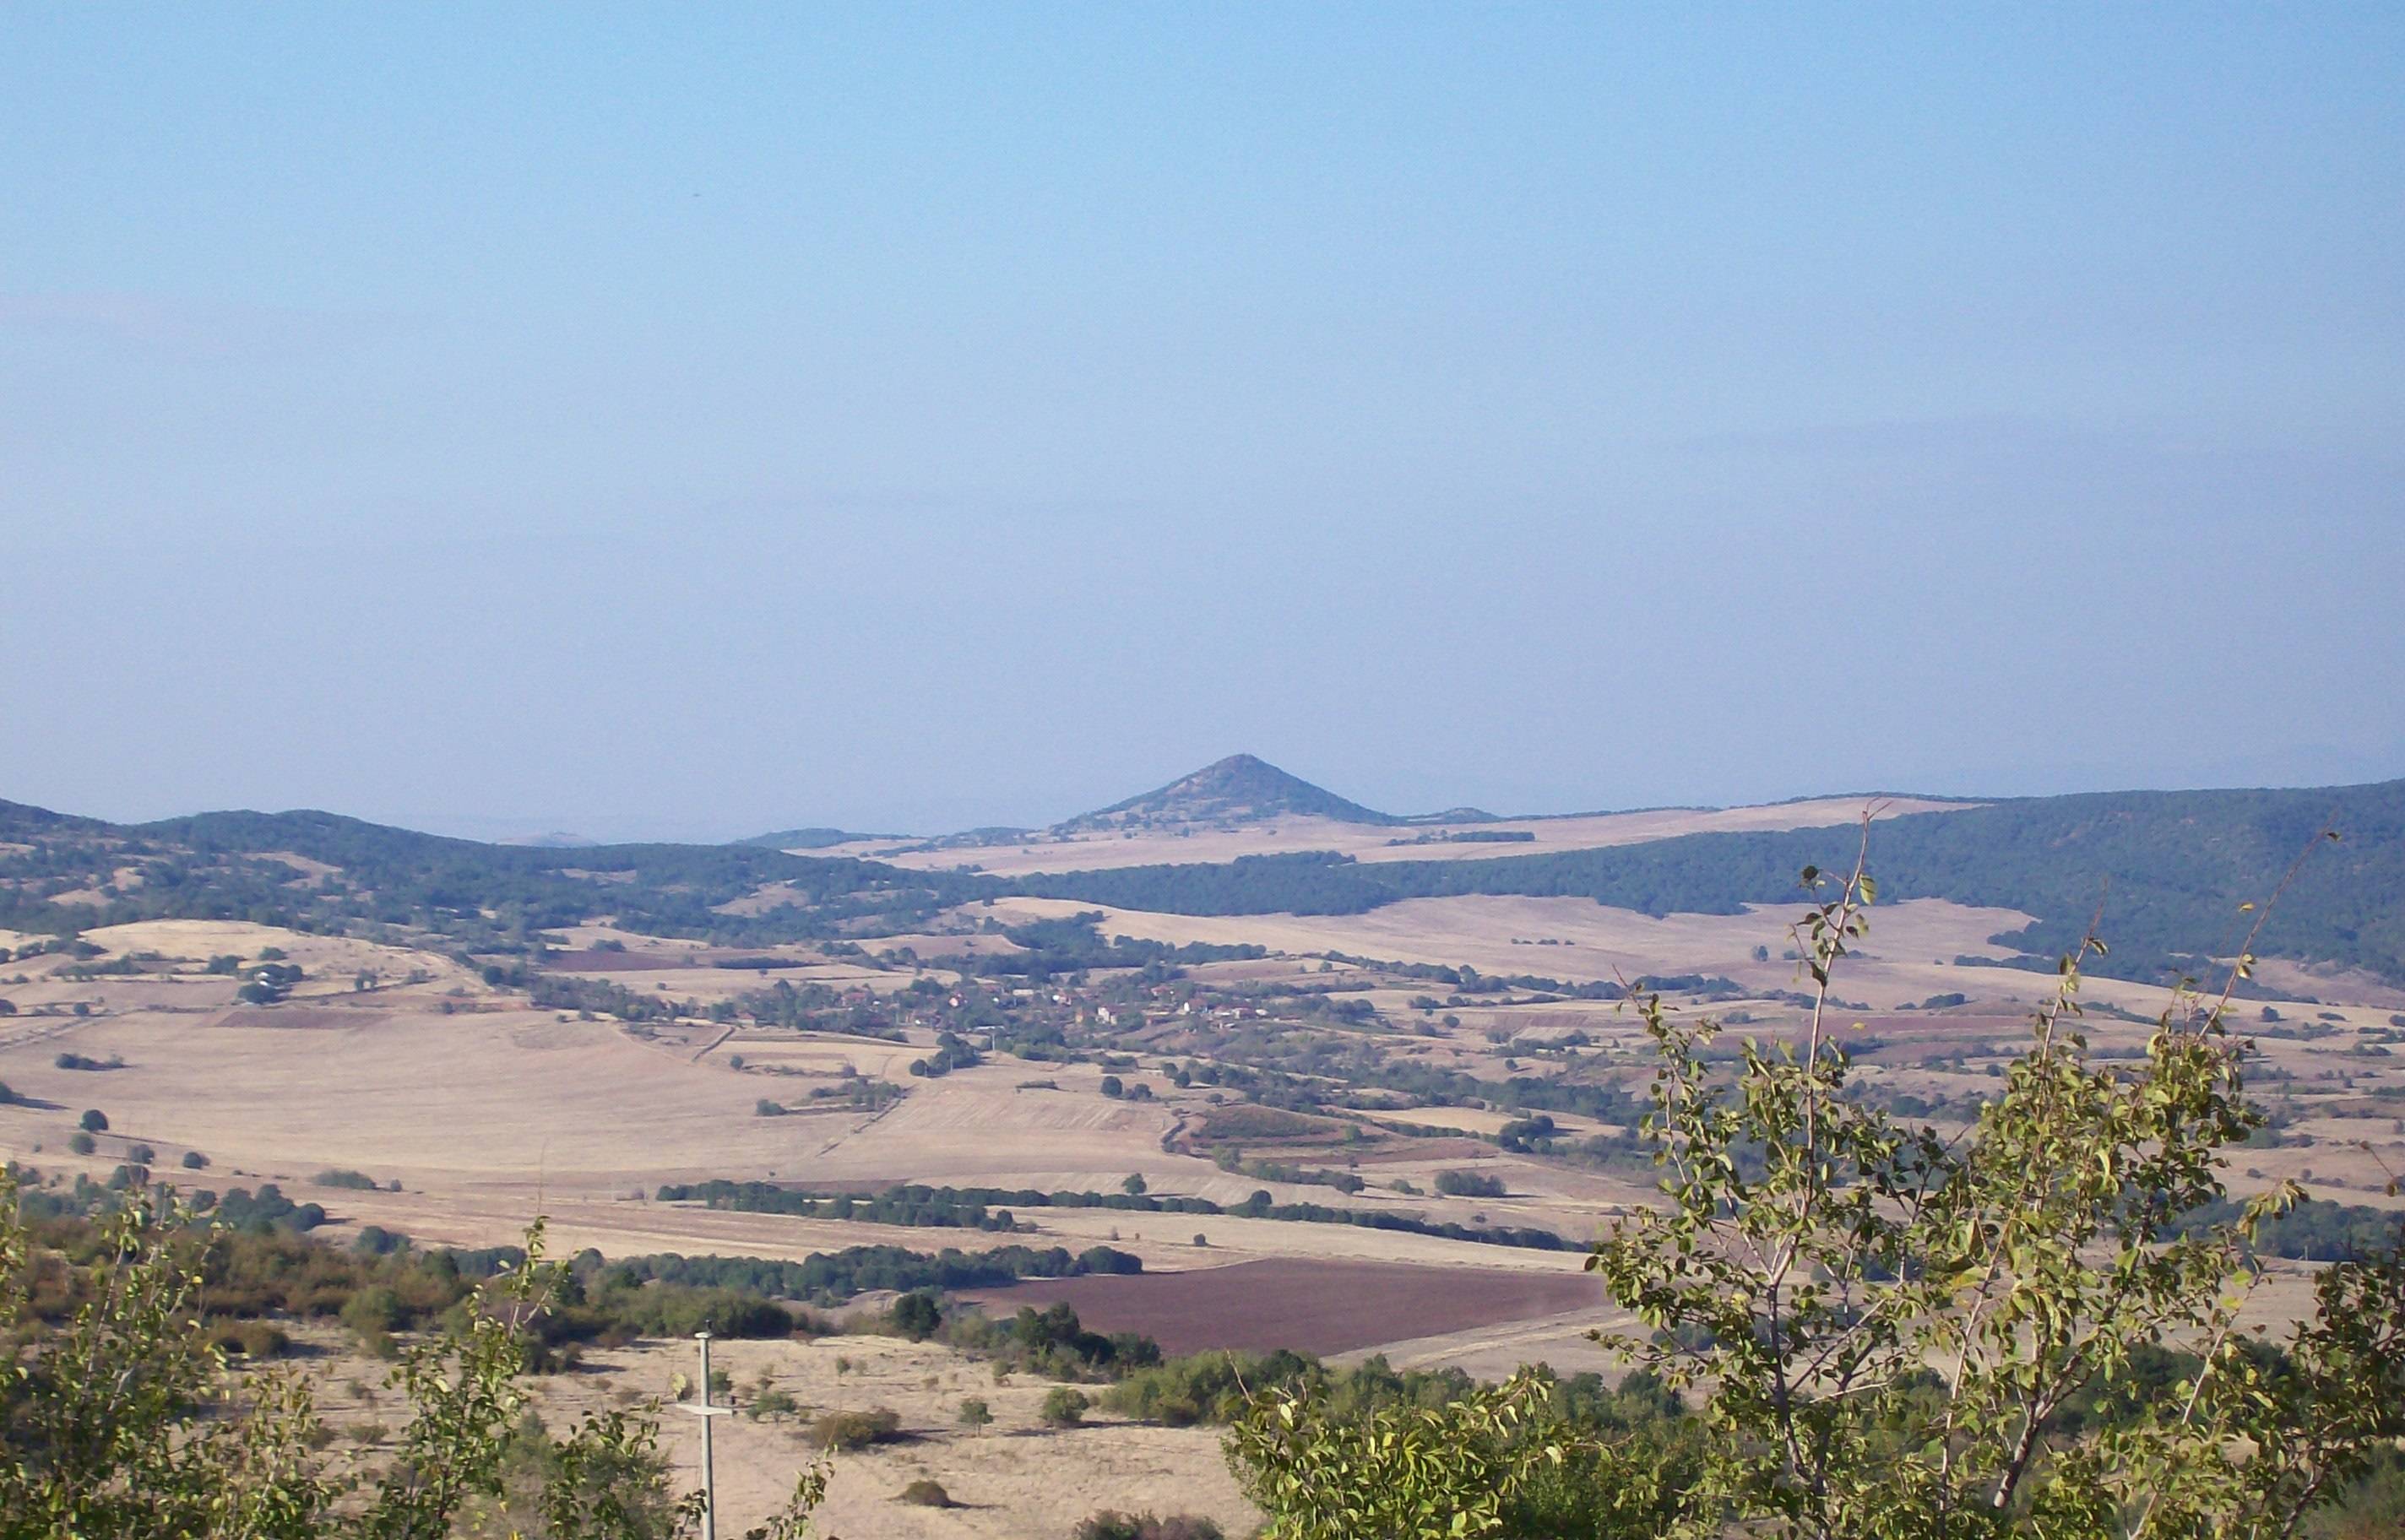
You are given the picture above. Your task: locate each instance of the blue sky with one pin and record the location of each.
(684, 421)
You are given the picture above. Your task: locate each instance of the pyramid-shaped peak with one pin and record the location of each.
(1239, 788)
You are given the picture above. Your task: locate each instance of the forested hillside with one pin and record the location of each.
(2168, 867)
(320, 872)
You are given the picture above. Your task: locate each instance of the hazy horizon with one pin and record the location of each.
(693, 424)
(680, 828)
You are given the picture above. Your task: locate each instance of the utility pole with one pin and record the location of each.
(708, 1476)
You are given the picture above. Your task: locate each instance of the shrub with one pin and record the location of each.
(249, 1338)
(1469, 1184)
(82, 1143)
(916, 1316)
(94, 1121)
(1064, 1406)
(925, 1494)
(1111, 1525)
(772, 1402)
(195, 1161)
(140, 1154)
(975, 1414)
(358, 1181)
(373, 1313)
(840, 1431)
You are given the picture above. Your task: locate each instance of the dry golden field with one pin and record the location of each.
(1015, 1481)
(1092, 852)
(479, 1111)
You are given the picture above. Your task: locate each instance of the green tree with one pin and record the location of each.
(2023, 1265)
(1064, 1406)
(976, 1415)
(1889, 1330)
(916, 1315)
(126, 1423)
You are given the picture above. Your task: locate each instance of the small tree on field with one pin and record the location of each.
(94, 1121)
(1064, 1406)
(917, 1316)
(976, 1415)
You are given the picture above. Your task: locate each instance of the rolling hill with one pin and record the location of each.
(2168, 870)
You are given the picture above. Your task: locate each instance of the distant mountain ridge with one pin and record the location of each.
(557, 839)
(817, 838)
(2171, 867)
(1239, 788)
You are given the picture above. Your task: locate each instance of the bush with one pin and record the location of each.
(357, 1181)
(1111, 1525)
(916, 1316)
(142, 1154)
(94, 1121)
(1064, 1406)
(82, 1143)
(838, 1432)
(925, 1494)
(772, 1402)
(249, 1338)
(373, 1313)
(1469, 1184)
(975, 1414)
(195, 1161)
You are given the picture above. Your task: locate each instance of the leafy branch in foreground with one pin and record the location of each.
(1895, 1334)
(128, 1423)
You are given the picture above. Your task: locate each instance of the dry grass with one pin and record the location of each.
(488, 1111)
(1364, 842)
(1017, 1481)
